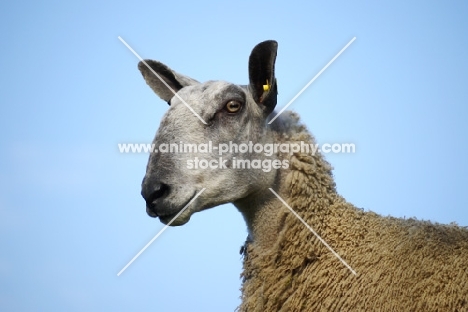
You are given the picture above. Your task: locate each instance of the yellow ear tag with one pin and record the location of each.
(266, 87)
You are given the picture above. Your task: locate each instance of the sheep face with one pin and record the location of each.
(191, 155)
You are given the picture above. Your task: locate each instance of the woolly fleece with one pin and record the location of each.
(401, 265)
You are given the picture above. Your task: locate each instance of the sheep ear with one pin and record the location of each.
(174, 80)
(262, 75)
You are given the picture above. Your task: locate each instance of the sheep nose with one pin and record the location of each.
(151, 192)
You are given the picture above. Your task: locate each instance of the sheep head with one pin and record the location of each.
(231, 114)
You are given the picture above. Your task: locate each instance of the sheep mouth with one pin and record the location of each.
(165, 217)
(151, 212)
(182, 219)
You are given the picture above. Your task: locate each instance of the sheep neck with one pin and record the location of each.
(260, 210)
(307, 180)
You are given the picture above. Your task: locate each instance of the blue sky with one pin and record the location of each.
(71, 214)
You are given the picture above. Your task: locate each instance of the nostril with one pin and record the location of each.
(163, 190)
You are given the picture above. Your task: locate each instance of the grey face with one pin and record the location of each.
(234, 115)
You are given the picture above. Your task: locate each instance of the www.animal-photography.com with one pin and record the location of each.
(238, 156)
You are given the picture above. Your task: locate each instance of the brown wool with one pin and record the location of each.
(401, 265)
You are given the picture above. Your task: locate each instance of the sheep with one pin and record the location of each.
(401, 264)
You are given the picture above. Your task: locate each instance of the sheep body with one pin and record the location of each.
(402, 265)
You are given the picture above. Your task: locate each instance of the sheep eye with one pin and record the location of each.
(233, 106)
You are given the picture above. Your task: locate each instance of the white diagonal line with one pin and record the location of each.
(160, 232)
(162, 80)
(312, 230)
(313, 79)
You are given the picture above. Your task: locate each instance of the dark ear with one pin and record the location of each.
(262, 74)
(173, 81)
